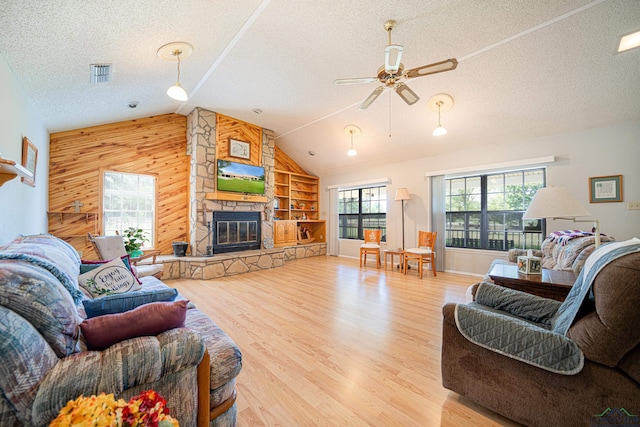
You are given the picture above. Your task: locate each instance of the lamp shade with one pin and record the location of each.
(554, 202)
(177, 92)
(439, 131)
(402, 194)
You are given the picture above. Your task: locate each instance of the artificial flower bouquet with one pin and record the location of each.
(146, 409)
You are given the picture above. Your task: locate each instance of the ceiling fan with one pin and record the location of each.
(393, 70)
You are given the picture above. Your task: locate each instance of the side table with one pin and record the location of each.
(393, 252)
(554, 284)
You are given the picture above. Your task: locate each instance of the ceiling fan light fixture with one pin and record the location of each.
(392, 56)
(393, 70)
(352, 130)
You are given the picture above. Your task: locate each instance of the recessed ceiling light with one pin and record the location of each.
(629, 41)
(257, 110)
(312, 153)
(133, 104)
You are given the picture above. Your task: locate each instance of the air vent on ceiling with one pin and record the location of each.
(100, 73)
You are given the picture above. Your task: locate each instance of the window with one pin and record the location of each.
(360, 209)
(129, 200)
(485, 211)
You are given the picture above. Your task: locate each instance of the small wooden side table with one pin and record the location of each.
(554, 284)
(392, 253)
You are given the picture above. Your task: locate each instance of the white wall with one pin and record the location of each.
(23, 209)
(579, 155)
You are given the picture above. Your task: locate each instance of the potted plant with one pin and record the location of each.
(133, 240)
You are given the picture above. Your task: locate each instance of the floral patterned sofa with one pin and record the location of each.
(44, 362)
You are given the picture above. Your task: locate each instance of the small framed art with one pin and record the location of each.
(29, 161)
(605, 189)
(239, 149)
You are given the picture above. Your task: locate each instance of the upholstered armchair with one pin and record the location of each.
(110, 247)
(542, 362)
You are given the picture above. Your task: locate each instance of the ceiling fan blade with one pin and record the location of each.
(436, 67)
(407, 94)
(355, 81)
(392, 56)
(376, 93)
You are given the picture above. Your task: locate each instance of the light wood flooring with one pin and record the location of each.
(326, 343)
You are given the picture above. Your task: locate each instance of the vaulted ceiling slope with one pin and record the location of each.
(526, 68)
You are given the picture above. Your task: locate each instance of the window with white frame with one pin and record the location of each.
(129, 200)
(485, 211)
(360, 209)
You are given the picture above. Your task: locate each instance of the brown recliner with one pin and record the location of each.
(607, 332)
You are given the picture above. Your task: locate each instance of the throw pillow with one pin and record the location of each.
(147, 320)
(119, 303)
(110, 278)
(88, 265)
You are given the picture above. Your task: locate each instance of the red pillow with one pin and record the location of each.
(147, 320)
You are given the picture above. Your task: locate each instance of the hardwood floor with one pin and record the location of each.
(326, 343)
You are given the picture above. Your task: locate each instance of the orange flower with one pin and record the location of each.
(146, 409)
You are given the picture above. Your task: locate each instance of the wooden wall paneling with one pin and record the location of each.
(154, 145)
(286, 163)
(228, 127)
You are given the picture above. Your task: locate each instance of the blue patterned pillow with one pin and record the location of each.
(119, 303)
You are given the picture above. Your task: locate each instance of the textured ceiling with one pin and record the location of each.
(527, 68)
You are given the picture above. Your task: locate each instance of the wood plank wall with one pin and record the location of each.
(154, 145)
(286, 163)
(228, 127)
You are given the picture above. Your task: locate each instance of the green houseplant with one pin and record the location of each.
(133, 240)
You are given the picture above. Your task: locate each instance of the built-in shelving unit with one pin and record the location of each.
(295, 200)
(9, 170)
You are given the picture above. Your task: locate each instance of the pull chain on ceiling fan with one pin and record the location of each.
(393, 70)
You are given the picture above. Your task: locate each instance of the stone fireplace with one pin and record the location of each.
(204, 141)
(201, 146)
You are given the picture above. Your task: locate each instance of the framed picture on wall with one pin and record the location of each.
(605, 189)
(239, 149)
(29, 161)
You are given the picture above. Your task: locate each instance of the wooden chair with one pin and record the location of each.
(111, 247)
(423, 253)
(371, 246)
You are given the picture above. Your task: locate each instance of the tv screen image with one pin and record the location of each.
(240, 178)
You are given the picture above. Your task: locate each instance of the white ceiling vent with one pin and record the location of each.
(100, 73)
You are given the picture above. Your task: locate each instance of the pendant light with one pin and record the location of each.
(175, 52)
(352, 130)
(440, 102)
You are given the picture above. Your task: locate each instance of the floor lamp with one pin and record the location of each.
(402, 194)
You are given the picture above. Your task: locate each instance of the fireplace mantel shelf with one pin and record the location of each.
(236, 197)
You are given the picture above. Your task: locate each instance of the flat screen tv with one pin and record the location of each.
(240, 178)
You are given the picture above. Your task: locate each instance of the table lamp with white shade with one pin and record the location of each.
(559, 203)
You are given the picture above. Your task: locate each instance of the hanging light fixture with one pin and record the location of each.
(176, 51)
(440, 102)
(352, 130)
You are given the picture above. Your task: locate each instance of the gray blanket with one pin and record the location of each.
(518, 325)
(600, 258)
